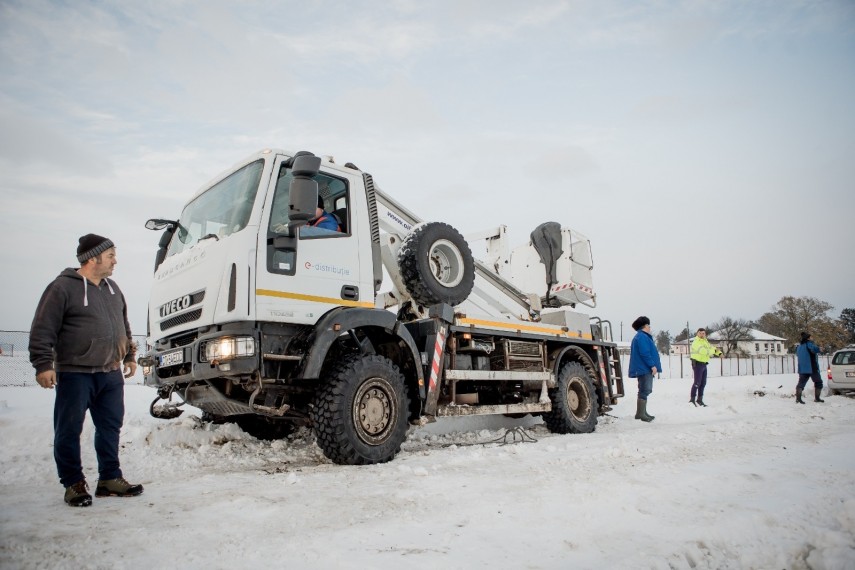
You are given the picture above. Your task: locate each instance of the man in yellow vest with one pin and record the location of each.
(702, 351)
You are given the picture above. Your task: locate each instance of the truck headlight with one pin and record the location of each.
(229, 347)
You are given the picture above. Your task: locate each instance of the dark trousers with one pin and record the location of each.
(103, 394)
(815, 376)
(645, 386)
(699, 369)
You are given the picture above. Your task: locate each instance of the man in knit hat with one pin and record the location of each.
(80, 344)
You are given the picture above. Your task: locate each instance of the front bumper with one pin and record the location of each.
(181, 360)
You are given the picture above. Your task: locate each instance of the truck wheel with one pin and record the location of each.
(436, 265)
(360, 415)
(262, 427)
(574, 401)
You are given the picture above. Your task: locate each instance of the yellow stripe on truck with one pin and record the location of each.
(313, 298)
(522, 327)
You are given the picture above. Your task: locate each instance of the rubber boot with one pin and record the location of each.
(816, 397)
(701, 402)
(692, 401)
(641, 411)
(799, 396)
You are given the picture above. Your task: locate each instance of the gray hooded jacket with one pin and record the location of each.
(81, 327)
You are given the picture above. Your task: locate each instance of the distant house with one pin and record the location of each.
(761, 344)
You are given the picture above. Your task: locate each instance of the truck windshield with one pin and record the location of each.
(220, 211)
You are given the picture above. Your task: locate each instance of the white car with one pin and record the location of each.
(841, 371)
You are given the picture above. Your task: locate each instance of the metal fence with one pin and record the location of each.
(15, 368)
(680, 366)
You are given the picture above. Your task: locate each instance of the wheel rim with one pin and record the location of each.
(578, 400)
(446, 263)
(374, 411)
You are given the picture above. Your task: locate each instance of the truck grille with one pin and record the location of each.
(181, 319)
(517, 355)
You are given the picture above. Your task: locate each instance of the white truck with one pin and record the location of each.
(259, 318)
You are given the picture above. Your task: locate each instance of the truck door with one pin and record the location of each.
(301, 278)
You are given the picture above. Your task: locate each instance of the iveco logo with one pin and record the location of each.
(175, 305)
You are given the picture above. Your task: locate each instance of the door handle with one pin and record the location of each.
(350, 292)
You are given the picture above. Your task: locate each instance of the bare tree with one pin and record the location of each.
(847, 320)
(830, 335)
(730, 333)
(792, 315)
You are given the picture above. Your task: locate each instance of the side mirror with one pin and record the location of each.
(303, 192)
(163, 244)
(158, 224)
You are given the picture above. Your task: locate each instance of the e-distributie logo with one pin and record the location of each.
(326, 268)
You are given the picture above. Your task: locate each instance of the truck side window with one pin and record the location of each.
(335, 198)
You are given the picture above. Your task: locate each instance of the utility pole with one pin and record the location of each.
(621, 331)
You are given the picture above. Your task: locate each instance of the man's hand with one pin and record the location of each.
(130, 369)
(46, 379)
(654, 370)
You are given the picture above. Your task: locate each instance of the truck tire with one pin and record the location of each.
(436, 265)
(360, 415)
(574, 401)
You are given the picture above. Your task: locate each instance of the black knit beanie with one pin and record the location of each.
(805, 337)
(92, 245)
(640, 323)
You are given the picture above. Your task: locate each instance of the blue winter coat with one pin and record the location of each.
(326, 222)
(807, 352)
(643, 355)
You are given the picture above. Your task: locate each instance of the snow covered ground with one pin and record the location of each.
(752, 481)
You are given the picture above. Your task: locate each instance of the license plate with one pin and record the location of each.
(172, 358)
(850, 374)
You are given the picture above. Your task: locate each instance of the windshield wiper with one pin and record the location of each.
(210, 236)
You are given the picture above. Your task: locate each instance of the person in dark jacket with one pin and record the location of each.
(323, 220)
(80, 343)
(808, 368)
(644, 364)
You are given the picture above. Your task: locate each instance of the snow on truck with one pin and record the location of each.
(259, 318)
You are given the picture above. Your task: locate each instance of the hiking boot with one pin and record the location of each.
(692, 401)
(77, 495)
(701, 403)
(117, 488)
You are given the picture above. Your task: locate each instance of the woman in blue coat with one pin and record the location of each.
(808, 368)
(644, 364)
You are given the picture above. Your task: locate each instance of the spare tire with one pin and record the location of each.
(436, 265)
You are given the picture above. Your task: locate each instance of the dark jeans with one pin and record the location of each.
(699, 369)
(645, 386)
(815, 376)
(103, 394)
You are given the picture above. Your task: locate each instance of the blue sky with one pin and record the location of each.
(707, 149)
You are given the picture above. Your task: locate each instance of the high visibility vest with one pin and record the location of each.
(702, 350)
